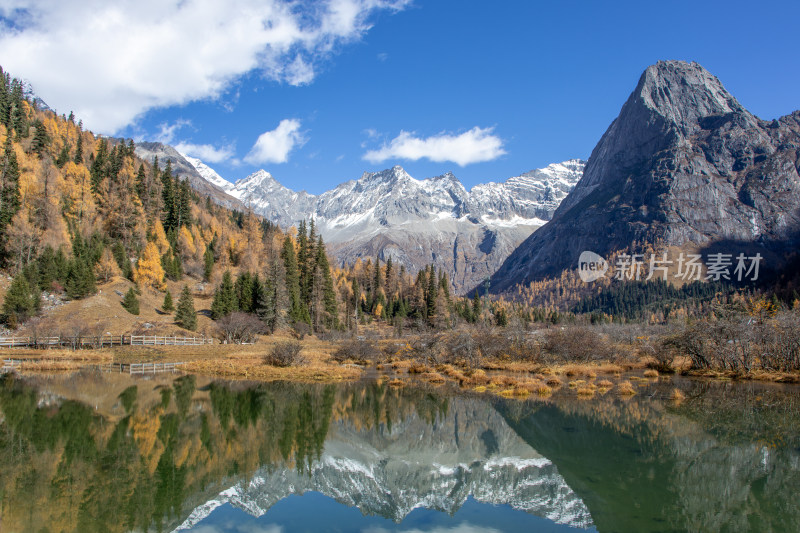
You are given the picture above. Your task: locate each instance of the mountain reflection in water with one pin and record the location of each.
(95, 452)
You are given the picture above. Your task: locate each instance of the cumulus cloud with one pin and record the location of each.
(166, 132)
(111, 61)
(274, 146)
(474, 146)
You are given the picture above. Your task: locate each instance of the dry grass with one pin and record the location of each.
(586, 391)
(577, 383)
(677, 396)
(419, 368)
(651, 373)
(543, 390)
(397, 383)
(605, 384)
(626, 388)
(433, 377)
(553, 382)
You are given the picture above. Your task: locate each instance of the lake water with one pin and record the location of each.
(107, 452)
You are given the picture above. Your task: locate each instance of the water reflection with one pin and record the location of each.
(97, 452)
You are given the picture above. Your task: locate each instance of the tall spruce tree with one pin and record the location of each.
(225, 300)
(292, 279)
(168, 306)
(22, 300)
(185, 314)
(9, 193)
(78, 158)
(328, 292)
(131, 302)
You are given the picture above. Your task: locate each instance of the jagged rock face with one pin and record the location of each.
(185, 168)
(470, 451)
(419, 222)
(684, 164)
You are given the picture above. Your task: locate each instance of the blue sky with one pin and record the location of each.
(319, 92)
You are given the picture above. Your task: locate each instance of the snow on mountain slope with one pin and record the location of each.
(209, 174)
(418, 222)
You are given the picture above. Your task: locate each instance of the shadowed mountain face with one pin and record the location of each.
(724, 460)
(685, 165)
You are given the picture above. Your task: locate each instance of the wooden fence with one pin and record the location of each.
(141, 368)
(101, 341)
(152, 340)
(10, 365)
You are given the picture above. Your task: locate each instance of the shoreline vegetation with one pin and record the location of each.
(515, 362)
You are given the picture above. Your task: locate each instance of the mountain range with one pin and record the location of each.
(683, 167)
(467, 234)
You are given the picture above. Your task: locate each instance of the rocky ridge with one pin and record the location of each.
(683, 165)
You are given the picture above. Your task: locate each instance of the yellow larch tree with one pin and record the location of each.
(160, 237)
(149, 272)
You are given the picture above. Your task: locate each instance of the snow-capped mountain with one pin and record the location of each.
(417, 222)
(208, 173)
(470, 451)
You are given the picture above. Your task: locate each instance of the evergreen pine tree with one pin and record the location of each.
(225, 300)
(80, 281)
(244, 292)
(141, 185)
(168, 305)
(40, 139)
(63, 155)
(328, 292)
(432, 292)
(9, 192)
(21, 302)
(78, 159)
(98, 168)
(131, 302)
(476, 306)
(208, 262)
(292, 279)
(185, 315)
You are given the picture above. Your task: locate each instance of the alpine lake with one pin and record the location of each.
(104, 452)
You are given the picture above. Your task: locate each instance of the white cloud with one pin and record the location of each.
(166, 132)
(274, 146)
(111, 61)
(473, 146)
(206, 152)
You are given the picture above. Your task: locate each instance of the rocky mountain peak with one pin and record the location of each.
(390, 176)
(683, 94)
(684, 164)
